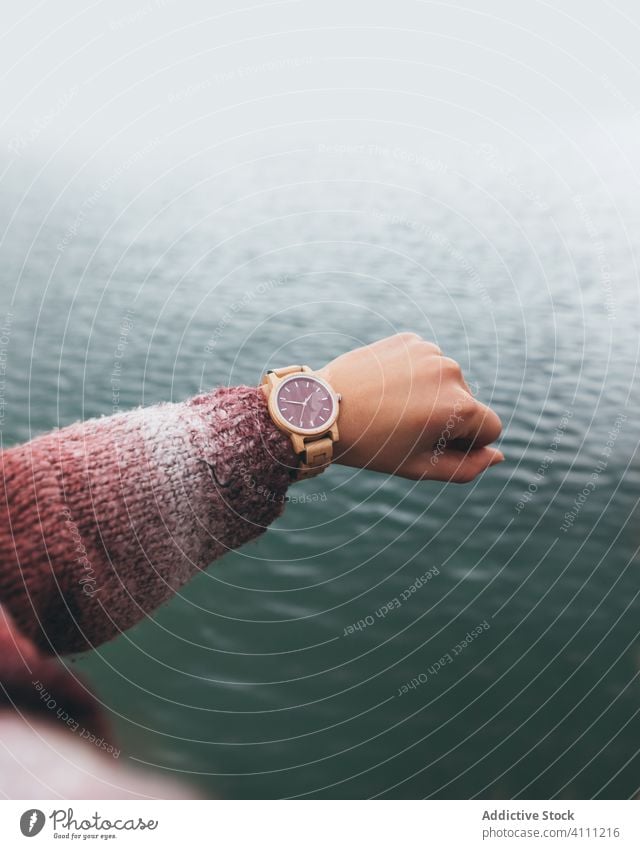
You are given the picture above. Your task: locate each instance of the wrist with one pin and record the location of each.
(347, 419)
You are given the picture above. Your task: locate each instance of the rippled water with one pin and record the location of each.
(250, 681)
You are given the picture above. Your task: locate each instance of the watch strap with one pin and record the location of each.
(317, 455)
(285, 370)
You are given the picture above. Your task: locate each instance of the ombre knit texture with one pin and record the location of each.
(103, 521)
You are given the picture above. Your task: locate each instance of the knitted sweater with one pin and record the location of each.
(103, 521)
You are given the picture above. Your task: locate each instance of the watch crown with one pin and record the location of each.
(339, 397)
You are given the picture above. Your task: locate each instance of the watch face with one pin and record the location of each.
(305, 402)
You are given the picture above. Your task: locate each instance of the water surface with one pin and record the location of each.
(524, 643)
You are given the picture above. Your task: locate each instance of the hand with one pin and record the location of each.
(406, 410)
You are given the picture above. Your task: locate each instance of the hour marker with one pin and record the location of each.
(288, 388)
(318, 389)
(325, 409)
(307, 384)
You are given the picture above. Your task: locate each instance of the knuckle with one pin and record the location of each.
(428, 350)
(490, 421)
(451, 366)
(408, 337)
(465, 406)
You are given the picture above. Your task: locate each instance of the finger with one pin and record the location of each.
(451, 465)
(480, 426)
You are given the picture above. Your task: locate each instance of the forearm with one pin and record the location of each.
(102, 521)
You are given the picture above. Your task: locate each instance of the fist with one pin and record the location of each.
(406, 410)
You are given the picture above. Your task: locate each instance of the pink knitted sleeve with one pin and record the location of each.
(102, 521)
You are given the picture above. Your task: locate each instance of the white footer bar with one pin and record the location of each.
(318, 824)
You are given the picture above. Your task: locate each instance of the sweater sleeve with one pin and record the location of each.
(103, 521)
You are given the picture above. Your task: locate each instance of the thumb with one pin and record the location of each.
(452, 464)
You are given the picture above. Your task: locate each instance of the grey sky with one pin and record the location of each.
(109, 77)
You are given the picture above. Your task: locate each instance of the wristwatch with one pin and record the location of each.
(305, 407)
